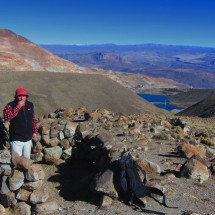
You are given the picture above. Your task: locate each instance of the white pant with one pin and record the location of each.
(21, 148)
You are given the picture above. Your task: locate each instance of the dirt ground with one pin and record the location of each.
(74, 197)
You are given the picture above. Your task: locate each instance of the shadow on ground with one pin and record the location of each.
(75, 177)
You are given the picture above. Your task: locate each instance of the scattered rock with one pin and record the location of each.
(106, 201)
(188, 150)
(99, 138)
(195, 169)
(148, 166)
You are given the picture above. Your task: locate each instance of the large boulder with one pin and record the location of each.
(22, 162)
(35, 173)
(16, 180)
(53, 154)
(194, 168)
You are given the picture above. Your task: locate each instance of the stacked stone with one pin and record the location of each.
(22, 187)
(56, 137)
(60, 130)
(102, 137)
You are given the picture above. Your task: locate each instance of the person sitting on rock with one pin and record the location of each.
(22, 123)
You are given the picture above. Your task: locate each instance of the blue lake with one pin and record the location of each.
(160, 101)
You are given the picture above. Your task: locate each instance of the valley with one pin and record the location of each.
(188, 65)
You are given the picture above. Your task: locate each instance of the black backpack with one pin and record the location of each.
(129, 184)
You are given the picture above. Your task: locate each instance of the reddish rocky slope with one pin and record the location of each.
(19, 54)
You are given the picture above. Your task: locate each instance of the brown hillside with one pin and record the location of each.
(204, 108)
(50, 91)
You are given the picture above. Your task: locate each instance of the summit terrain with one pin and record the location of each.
(71, 170)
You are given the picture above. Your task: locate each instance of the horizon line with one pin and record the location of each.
(115, 44)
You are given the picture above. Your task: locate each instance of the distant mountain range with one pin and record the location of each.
(192, 66)
(54, 82)
(19, 54)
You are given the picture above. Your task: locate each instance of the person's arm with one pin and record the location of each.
(10, 112)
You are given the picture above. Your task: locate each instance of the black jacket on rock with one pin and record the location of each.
(21, 127)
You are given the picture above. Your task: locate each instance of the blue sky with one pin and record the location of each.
(172, 22)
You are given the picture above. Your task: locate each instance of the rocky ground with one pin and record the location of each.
(75, 148)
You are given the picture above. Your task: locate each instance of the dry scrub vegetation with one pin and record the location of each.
(49, 91)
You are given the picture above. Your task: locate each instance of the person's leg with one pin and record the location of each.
(27, 149)
(17, 146)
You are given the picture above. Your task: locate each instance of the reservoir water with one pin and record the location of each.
(160, 101)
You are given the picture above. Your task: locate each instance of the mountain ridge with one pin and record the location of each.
(205, 108)
(19, 54)
(188, 65)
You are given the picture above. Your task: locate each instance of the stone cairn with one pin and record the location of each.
(101, 137)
